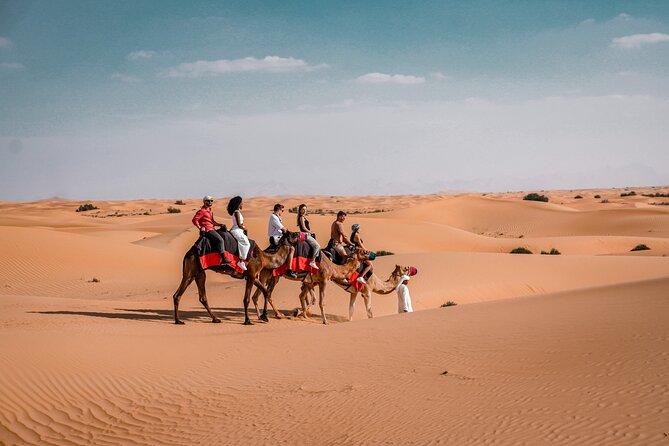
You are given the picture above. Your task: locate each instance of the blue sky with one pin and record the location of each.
(134, 99)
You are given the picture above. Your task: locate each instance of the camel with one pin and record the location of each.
(375, 284)
(327, 271)
(260, 261)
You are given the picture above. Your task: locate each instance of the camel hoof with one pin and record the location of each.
(216, 320)
(178, 323)
(248, 322)
(326, 323)
(279, 315)
(264, 318)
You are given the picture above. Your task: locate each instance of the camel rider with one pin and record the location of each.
(306, 235)
(238, 231)
(275, 230)
(205, 222)
(337, 237)
(357, 242)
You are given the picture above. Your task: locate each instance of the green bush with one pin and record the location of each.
(640, 247)
(598, 196)
(628, 194)
(172, 210)
(604, 201)
(578, 197)
(535, 197)
(450, 303)
(86, 207)
(180, 203)
(552, 252)
(383, 252)
(657, 195)
(520, 250)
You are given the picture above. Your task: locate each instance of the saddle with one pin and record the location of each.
(209, 251)
(303, 255)
(333, 255)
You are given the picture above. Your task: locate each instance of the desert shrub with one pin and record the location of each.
(172, 210)
(383, 252)
(293, 210)
(657, 195)
(604, 201)
(535, 197)
(147, 213)
(662, 203)
(628, 194)
(640, 247)
(86, 207)
(180, 203)
(450, 303)
(598, 196)
(578, 197)
(95, 280)
(520, 250)
(552, 252)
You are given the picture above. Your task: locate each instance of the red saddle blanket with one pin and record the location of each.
(209, 251)
(303, 255)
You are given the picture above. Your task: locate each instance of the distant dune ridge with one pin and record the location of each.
(541, 349)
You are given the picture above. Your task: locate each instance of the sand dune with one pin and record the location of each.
(541, 349)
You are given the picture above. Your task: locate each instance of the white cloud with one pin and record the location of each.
(439, 75)
(638, 40)
(125, 78)
(382, 78)
(141, 54)
(624, 17)
(270, 64)
(587, 22)
(11, 66)
(5, 43)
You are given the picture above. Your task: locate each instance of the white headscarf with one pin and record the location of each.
(402, 279)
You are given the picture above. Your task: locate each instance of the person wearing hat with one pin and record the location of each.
(238, 230)
(403, 296)
(205, 223)
(356, 240)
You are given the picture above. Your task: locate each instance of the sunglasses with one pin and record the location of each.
(209, 201)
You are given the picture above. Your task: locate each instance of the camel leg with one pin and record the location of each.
(367, 296)
(259, 285)
(247, 299)
(256, 293)
(351, 304)
(200, 281)
(270, 289)
(303, 300)
(185, 281)
(321, 301)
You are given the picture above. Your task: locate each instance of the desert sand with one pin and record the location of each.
(540, 349)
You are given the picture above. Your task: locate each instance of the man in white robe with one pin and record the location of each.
(403, 296)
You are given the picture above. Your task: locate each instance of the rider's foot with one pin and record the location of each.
(313, 265)
(291, 273)
(241, 265)
(362, 280)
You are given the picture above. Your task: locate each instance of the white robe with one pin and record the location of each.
(403, 299)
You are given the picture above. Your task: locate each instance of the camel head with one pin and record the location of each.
(289, 238)
(400, 271)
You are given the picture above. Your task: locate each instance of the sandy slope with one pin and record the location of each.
(581, 359)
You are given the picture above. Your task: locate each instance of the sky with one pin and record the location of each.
(171, 99)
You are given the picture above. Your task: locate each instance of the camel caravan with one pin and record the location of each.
(292, 255)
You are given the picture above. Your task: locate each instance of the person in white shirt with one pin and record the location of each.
(275, 230)
(238, 230)
(403, 296)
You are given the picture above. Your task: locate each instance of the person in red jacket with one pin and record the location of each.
(205, 222)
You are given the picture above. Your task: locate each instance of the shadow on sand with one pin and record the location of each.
(226, 315)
